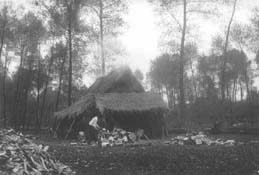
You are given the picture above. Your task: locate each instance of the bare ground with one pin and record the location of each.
(155, 158)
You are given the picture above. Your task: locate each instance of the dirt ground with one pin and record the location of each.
(155, 158)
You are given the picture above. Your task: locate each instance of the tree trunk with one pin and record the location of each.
(1, 48)
(241, 91)
(46, 85)
(169, 99)
(25, 109)
(25, 97)
(2, 38)
(223, 69)
(4, 88)
(234, 91)
(69, 8)
(228, 94)
(194, 83)
(16, 106)
(101, 37)
(60, 82)
(181, 78)
(247, 88)
(38, 122)
(174, 99)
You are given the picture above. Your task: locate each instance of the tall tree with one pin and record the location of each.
(59, 59)
(6, 35)
(224, 56)
(161, 71)
(3, 23)
(28, 33)
(187, 7)
(181, 78)
(208, 67)
(109, 17)
(238, 71)
(22, 34)
(191, 55)
(4, 88)
(254, 34)
(65, 14)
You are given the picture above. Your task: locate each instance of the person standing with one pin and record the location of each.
(93, 130)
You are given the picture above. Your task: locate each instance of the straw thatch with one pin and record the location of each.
(118, 80)
(115, 102)
(129, 101)
(84, 104)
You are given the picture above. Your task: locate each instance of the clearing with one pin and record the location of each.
(155, 158)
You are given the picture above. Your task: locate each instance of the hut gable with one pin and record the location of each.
(119, 80)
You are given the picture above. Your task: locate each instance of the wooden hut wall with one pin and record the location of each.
(150, 121)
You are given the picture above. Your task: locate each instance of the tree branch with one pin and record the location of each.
(52, 16)
(204, 12)
(174, 18)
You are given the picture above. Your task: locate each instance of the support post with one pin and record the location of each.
(70, 128)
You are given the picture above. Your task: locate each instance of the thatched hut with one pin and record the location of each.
(119, 100)
(129, 111)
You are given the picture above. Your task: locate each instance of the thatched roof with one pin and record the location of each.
(130, 101)
(118, 80)
(77, 108)
(120, 102)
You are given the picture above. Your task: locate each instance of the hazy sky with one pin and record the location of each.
(142, 36)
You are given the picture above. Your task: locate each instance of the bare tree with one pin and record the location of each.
(181, 77)
(109, 16)
(4, 88)
(65, 16)
(223, 67)
(3, 24)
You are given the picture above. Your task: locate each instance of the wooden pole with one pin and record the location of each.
(70, 128)
(55, 130)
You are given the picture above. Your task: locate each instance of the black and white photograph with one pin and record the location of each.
(129, 87)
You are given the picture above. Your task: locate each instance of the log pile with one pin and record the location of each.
(199, 139)
(116, 138)
(19, 155)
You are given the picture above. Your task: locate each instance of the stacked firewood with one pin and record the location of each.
(199, 139)
(116, 137)
(19, 155)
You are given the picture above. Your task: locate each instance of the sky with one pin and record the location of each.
(142, 35)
